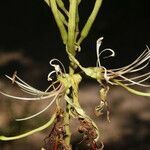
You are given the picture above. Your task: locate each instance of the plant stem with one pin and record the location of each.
(90, 21)
(72, 27)
(48, 2)
(67, 124)
(77, 20)
(69, 40)
(58, 20)
(71, 49)
(62, 6)
(75, 91)
(63, 19)
(46, 125)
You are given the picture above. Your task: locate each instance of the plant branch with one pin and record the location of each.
(67, 124)
(77, 21)
(48, 2)
(58, 20)
(72, 27)
(63, 19)
(62, 6)
(90, 21)
(46, 125)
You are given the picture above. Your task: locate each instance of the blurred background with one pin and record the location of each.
(29, 38)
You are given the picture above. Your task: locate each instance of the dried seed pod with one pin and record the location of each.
(89, 133)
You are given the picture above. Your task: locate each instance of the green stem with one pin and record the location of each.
(71, 49)
(48, 2)
(63, 19)
(90, 21)
(58, 20)
(4, 138)
(75, 92)
(72, 27)
(67, 113)
(132, 90)
(77, 21)
(62, 6)
(67, 124)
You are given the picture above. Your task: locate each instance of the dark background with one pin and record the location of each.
(29, 38)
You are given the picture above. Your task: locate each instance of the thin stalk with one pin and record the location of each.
(63, 19)
(67, 124)
(46, 125)
(71, 48)
(132, 90)
(72, 27)
(58, 20)
(67, 115)
(62, 6)
(48, 2)
(75, 93)
(77, 21)
(90, 21)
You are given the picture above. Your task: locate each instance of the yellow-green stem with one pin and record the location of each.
(132, 90)
(46, 125)
(67, 124)
(90, 21)
(62, 6)
(72, 27)
(75, 92)
(77, 21)
(58, 20)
